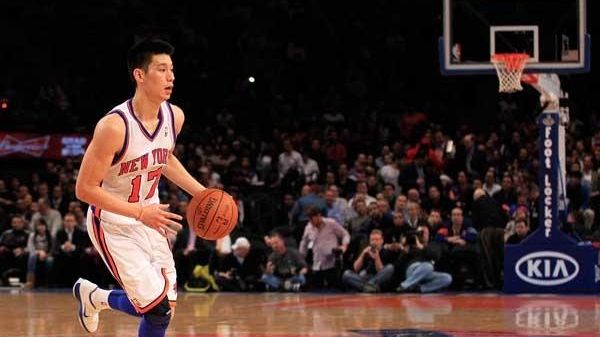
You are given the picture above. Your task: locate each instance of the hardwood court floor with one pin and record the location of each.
(290, 315)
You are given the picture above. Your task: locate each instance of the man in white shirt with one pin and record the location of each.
(289, 159)
(490, 186)
(389, 172)
(311, 168)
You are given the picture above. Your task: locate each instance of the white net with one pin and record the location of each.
(509, 68)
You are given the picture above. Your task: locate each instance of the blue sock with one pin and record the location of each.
(117, 300)
(156, 329)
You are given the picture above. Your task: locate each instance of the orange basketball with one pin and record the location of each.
(212, 214)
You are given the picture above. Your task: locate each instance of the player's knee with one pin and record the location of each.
(160, 315)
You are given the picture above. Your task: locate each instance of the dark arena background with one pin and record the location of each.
(384, 185)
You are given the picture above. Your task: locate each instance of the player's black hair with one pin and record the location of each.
(140, 54)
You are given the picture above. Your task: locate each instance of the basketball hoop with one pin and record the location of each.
(509, 68)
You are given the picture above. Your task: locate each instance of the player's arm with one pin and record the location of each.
(174, 170)
(107, 141)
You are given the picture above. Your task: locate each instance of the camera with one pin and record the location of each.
(412, 235)
(337, 252)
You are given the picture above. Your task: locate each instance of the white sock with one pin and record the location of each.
(100, 298)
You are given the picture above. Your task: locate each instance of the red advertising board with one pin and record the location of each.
(49, 146)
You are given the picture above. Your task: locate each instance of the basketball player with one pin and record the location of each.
(129, 152)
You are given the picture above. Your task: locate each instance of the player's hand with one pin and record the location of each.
(156, 216)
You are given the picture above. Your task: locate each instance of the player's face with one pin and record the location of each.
(159, 79)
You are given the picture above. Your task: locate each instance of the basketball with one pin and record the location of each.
(212, 214)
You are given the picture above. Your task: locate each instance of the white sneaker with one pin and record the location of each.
(88, 313)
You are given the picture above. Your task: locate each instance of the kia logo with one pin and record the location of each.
(547, 268)
(547, 316)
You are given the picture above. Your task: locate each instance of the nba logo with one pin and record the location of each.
(456, 53)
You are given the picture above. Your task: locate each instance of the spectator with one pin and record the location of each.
(316, 153)
(39, 248)
(69, 244)
(413, 195)
(6, 201)
(417, 169)
(42, 191)
(335, 151)
(488, 220)
(381, 160)
(469, 157)
(58, 200)
(521, 232)
(13, 244)
(463, 192)
(289, 159)
(486, 212)
(416, 265)
(435, 200)
(286, 268)
(244, 174)
(239, 270)
(310, 168)
(299, 213)
(458, 241)
(414, 216)
(576, 193)
(389, 172)
(490, 187)
(507, 195)
(284, 211)
(373, 267)
(457, 233)
(362, 189)
(347, 186)
(51, 216)
(381, 218)
(340, 201)
(400, 204)
(335, 210)
(389, 194)
(360, 219)
(326, 239)
(435, 220)
(396, 235)
(519, 214)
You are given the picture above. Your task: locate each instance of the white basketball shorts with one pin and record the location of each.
(138, 257)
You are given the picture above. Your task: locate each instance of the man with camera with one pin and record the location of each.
(326, 239)
(373, 266)
(417, 264)
(286, 268)
(240, 269)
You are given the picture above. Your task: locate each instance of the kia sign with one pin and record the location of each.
(558, 267)
(54, 146)
(547, 268)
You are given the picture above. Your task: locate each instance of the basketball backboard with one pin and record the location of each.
(552, 32)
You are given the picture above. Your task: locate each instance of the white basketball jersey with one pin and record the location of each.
(136, 170)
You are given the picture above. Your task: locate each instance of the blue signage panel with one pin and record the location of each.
(550, 269)
(549, 261)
